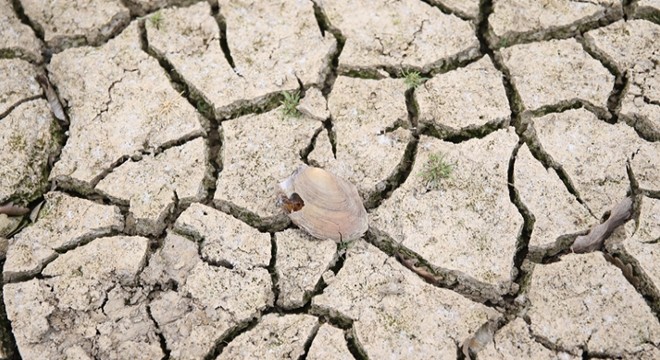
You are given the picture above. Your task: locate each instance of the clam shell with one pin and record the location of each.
(332, 208)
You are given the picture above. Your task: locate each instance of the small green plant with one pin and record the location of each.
(655, 17)
(436, 169)
(289, 103)
(343, 247)
(203, 107)
(16, 142)
(157, 20)
(413, 79)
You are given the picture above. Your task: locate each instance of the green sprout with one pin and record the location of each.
(413, 79)
(654, 17)
(343, 247)
(289, 103)
(157, 20)
(203, 107)
(436, 169)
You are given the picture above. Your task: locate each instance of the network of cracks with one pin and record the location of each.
(154, 231)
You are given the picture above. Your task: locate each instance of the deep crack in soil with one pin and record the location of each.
(521, 119)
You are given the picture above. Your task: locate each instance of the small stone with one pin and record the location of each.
(551, 72)
(151, 186)
(583, 302)
(380, 33)
(275, 337)
(469, 96)
(223, 238)
(314, 105)
(300, 263)
(464, 222)
(17, 38)
(329, 343)
(64, 222)
(83, 22)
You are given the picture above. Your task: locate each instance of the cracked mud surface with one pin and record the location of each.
(484, 137)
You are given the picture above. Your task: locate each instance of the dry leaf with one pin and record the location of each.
(13, 210)
(4, 244)
(621, 213)
(626, 268)
(480, 339)
(53, 100)
(9, 225)
(34, 215)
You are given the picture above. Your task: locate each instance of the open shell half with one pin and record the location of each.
(324, 205)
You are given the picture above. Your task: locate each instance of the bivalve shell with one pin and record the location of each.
(324, 205)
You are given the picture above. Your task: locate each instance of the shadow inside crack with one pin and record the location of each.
(463, 284)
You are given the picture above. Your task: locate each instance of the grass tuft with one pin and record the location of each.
(435, 170)
(289, 104)
(413, 79)
(157, 20)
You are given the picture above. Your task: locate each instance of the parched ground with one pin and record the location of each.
(484, 137)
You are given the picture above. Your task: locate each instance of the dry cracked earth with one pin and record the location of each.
(152, 230)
